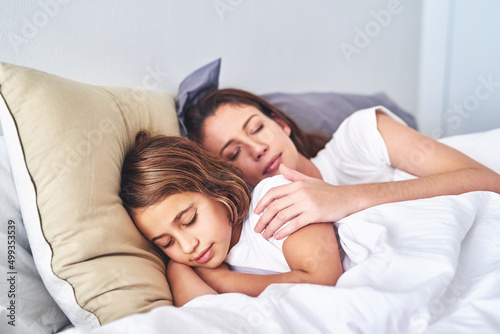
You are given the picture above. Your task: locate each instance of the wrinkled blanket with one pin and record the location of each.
(422, 266)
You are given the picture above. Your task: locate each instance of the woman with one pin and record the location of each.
(193, 206)
(373, 158)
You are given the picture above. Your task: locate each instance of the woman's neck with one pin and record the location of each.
(306, 167)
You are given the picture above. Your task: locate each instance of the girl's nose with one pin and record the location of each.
(188, 244)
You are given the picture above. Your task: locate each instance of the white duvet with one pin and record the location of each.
(423, 266)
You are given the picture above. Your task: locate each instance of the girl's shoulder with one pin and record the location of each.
(270, 182)
(264, 186)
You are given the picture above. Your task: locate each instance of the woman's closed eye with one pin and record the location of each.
(260, 127)
(233, 156)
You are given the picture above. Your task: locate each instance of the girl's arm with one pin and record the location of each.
(441, 169)
(185, 284)
(311, 253)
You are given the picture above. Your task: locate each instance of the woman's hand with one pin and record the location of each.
(441, 170)
(304, 201)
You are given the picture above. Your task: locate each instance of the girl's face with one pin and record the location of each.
(190, 228)
(256, 143)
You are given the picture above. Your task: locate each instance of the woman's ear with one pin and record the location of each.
(283, 125)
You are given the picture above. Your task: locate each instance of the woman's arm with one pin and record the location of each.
(311, 253)
(441, 169)
(185, 284)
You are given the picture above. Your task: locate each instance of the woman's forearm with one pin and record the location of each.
(450, 183)
(308, 200)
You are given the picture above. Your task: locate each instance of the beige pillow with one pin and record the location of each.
(66, 141)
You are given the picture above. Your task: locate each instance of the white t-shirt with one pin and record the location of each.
(357, 153)
(253, 254)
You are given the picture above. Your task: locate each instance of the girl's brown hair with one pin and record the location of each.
(308, 144)
(160, 166)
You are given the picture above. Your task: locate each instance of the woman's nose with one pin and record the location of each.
(257, 149)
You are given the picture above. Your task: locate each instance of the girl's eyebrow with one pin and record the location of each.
(182, 213)
(175, 220)
(231, 141)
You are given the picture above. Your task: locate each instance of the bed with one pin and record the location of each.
(74, 262)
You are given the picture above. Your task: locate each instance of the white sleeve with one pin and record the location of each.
(358, 151)
(260, 190)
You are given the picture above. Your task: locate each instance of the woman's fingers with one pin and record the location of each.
(304, 201)
(276, 221)
(294, 225)
(280, 191)
(292, 174)
(276, 200)
(272, 195)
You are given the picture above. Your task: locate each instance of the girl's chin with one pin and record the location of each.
(208, 265)
(213, 265)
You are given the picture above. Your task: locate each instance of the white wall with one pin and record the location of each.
(266, 45)
(432, 57)
(474, 82)
(459, 90)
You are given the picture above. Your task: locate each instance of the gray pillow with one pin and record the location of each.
(313, 112)
(194, 87)
(323, 112)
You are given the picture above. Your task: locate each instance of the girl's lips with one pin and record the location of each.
(206, 255)
(273, 164)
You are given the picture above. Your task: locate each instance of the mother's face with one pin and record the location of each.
(254, 142)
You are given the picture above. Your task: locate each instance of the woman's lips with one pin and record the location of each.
(206, 255)
(273, 164)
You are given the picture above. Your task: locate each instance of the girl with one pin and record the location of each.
(356, 169)
(193, 206)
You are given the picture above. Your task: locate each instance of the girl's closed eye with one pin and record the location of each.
(192, 221)
(168, 244)
(189, 223)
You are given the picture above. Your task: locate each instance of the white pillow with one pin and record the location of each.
(25, 304)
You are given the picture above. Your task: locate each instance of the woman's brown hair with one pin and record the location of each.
(160, 166)
(308, 144)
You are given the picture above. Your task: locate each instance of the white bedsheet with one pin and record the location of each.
(424, 266)
(429, 265)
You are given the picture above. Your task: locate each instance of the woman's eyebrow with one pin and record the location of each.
(231, 141)
(175, 220)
